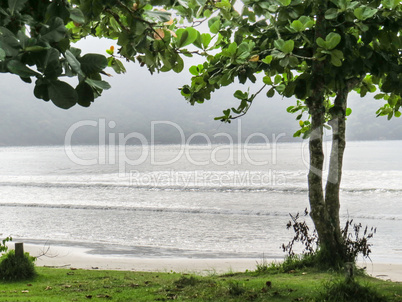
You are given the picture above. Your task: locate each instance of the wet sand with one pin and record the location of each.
(85, 258)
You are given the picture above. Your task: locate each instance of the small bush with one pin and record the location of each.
(264, 266)
(312, 256)
(236, 289)
(187, 281)
(3, 246)
(302, 261)
(347, 291)
(14, 268)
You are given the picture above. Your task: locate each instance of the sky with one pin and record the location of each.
(138, 99)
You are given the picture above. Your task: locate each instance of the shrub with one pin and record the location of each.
(349, 290)
(184, 281)
(3, 246)
(14, 268)
(236, 289)
(353, 243)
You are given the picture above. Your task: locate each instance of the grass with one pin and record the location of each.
(265, 285)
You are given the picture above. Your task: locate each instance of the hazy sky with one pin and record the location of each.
(138, 98)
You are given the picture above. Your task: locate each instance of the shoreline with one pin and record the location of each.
(58, 256)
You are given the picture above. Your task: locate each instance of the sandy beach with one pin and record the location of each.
(84, 258)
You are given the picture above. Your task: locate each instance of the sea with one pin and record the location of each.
(190, 201)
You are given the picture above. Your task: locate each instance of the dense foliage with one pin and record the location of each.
(14, 268)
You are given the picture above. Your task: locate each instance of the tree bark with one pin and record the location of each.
(338, 124)
(325, 211)
(315, 104)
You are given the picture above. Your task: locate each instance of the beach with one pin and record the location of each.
(85, 258)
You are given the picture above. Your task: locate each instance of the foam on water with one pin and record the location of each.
(238, 208)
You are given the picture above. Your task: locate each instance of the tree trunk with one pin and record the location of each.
(338, 124)
(333, 241)
(315, 104)
(325, 212)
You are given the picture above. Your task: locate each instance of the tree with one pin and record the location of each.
(315, 51)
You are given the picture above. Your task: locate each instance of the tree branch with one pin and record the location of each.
(251, 102)
(117, 18)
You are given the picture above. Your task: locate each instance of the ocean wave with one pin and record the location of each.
(206, 211)
(194, 187)
(147, 209)
(160, 187)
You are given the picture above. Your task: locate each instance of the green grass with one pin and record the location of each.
(268, 285)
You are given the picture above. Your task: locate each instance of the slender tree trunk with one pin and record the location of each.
(338, 124)
(325, 207)
(315, 104)
(325, 211)
(333, 241)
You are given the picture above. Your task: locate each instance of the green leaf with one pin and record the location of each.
(62, 94)
(74, 63)
(57, 9)
(98, 84)
(15, 5)
(284, 2)
(277, 79)
(194, 70)
(379, 96)
(9, 43)
(240, 95)
(91, 8)
(267, 80)
(179, 65)
(207, 13)
(297, 25)
(186, 36)
(337, 53)
(397, 113)
(215, 26)
(85, 94)
(271, 92)
(77, 16)
(35, 48)
(206, 39)
(348, 111)
(267, 60)
(284, 46)
(223, 4)
(335, 61)
(331, 14)
(332, 40)
(159, 15)
(293, 62)
(19, 68)
(321, 43)
(390, 4)
(232, 48)
(92, 63)
(41, 91)
(55, 32)
(307, 21)
(364, 12)
(117, 66)
(284, 62)
(280, 88)
(2, 54)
